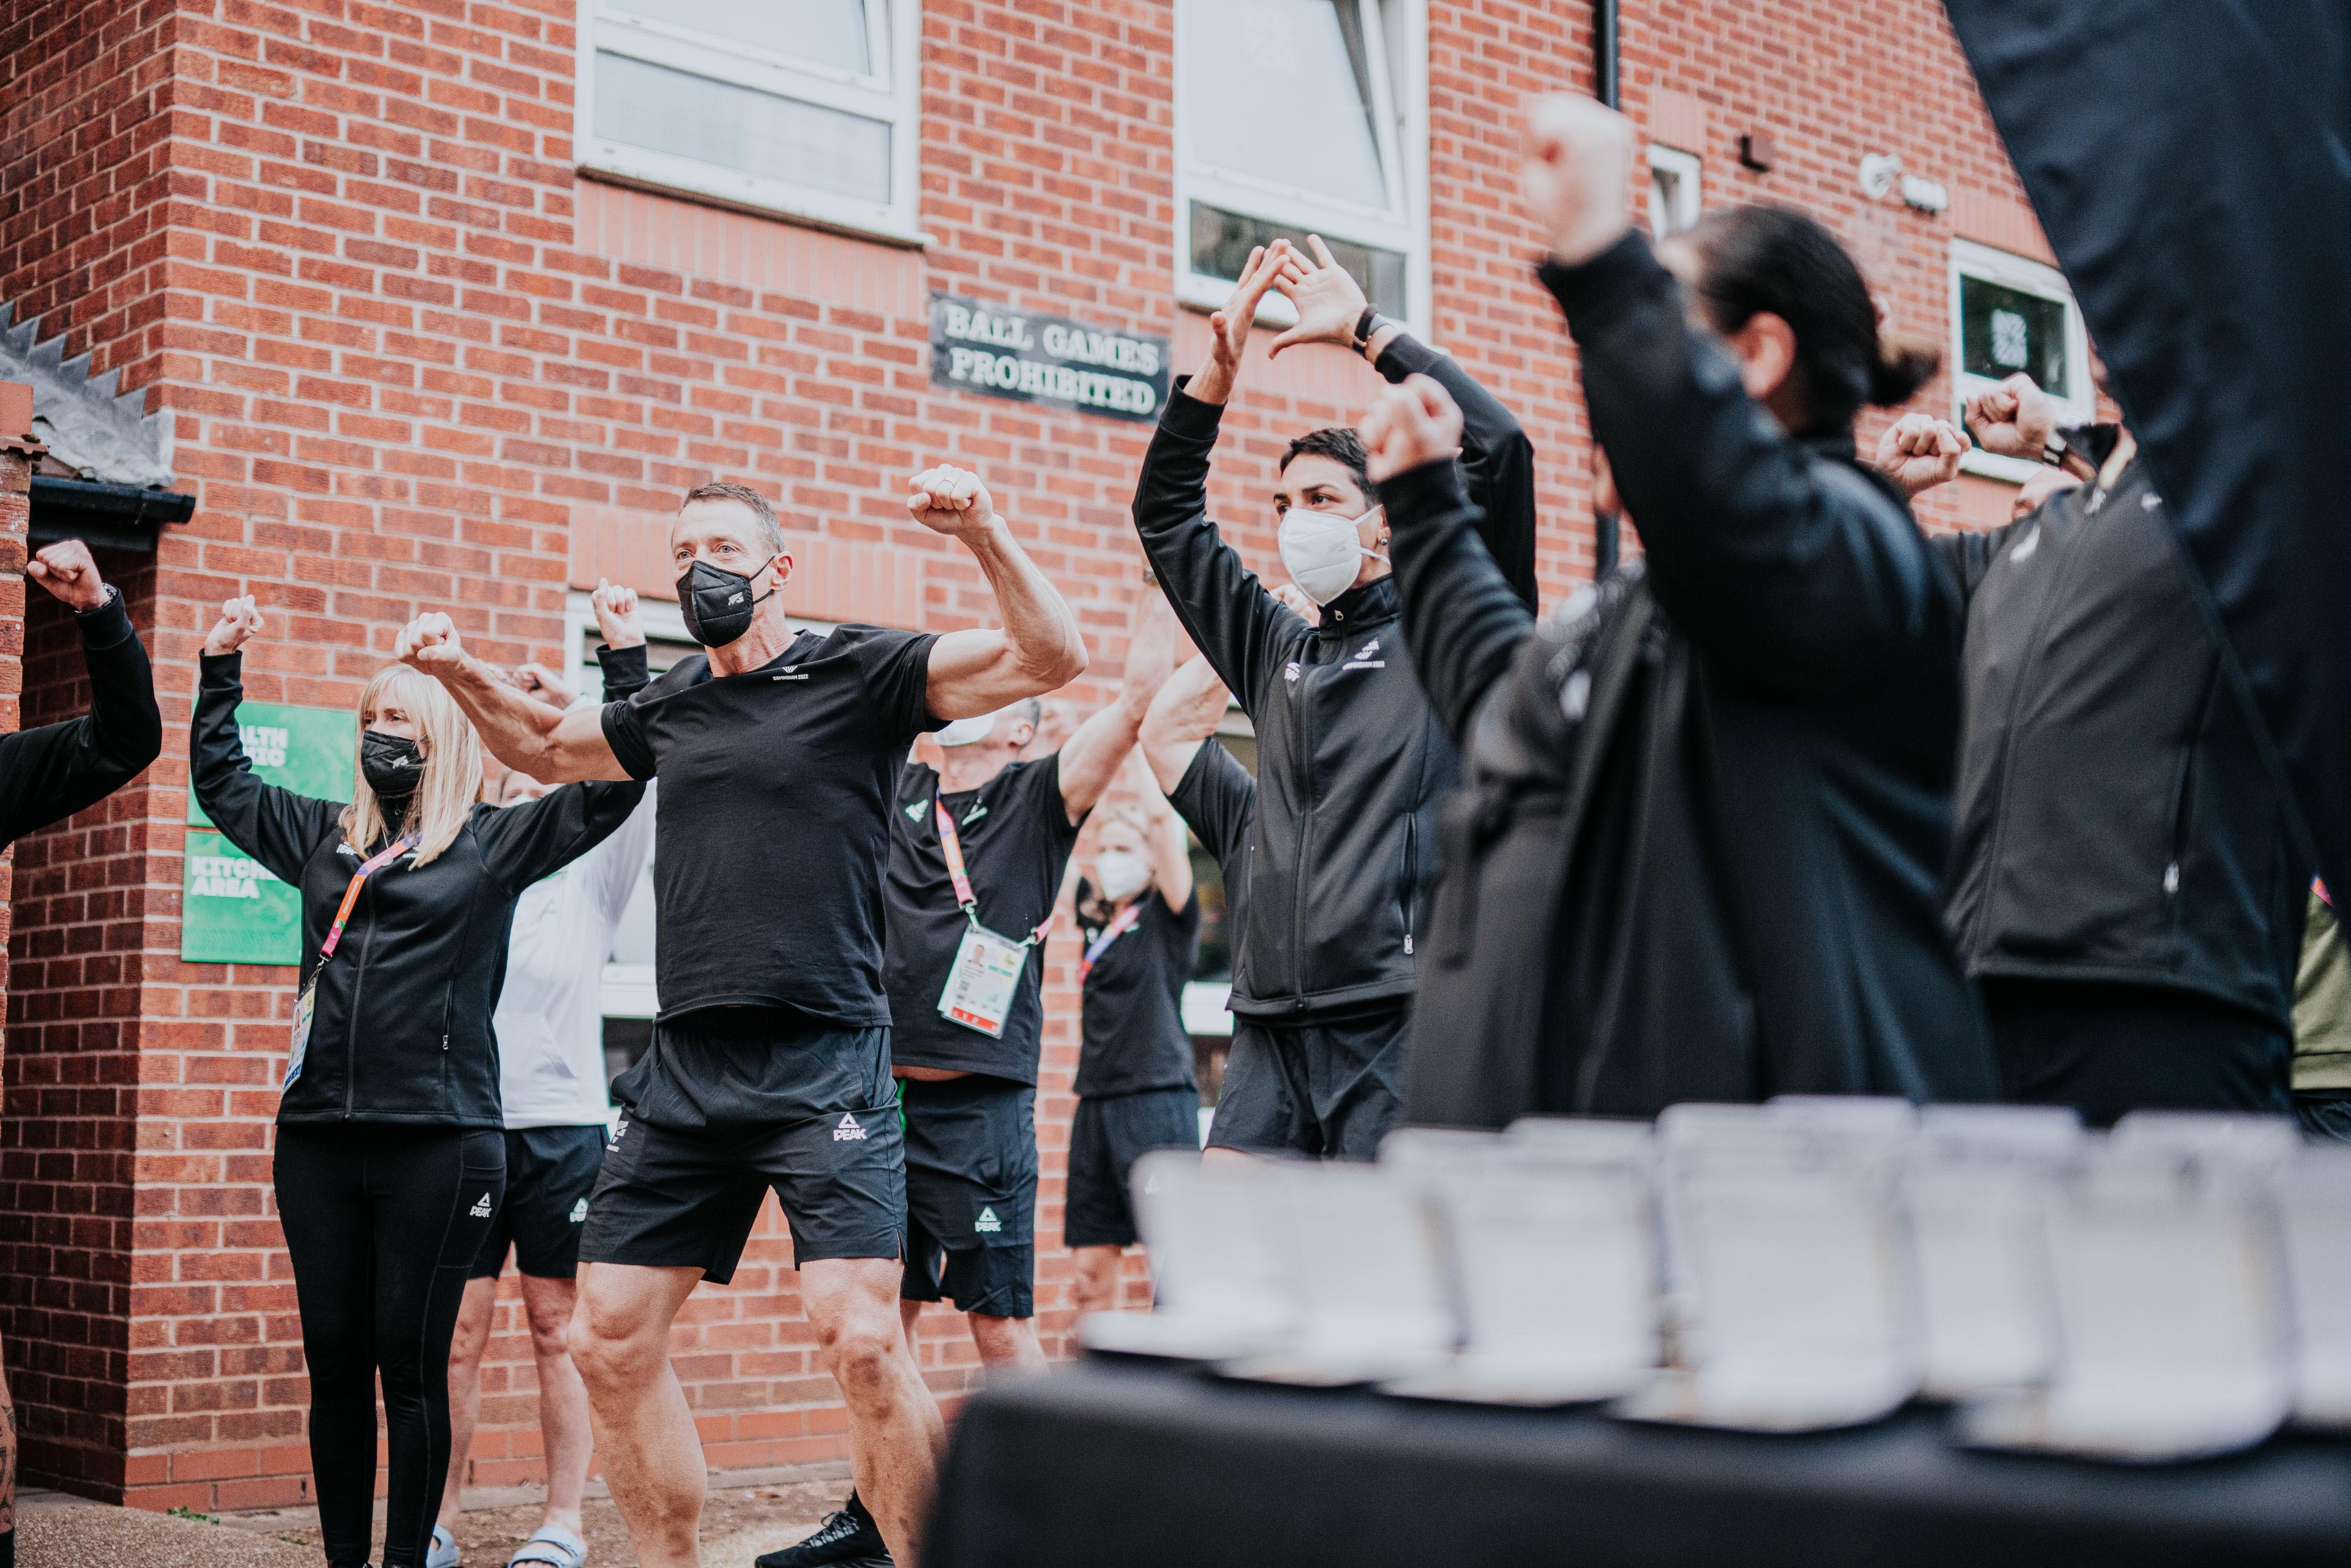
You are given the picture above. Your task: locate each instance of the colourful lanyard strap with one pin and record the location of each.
(1117, 928)
(2319, 888)
(951, 846)
(351, 894)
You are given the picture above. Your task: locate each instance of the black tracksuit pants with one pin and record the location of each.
(2107, 1049)
(383, 1223)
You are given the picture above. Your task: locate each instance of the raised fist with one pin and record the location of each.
(239, 623)
(1411, 424)
(616, 616)
(430, 643)
(1918, 452)
(2016, 419)
(67, 570)
(1579, 171)
(951, 501)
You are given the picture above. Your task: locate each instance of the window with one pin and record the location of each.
(2010, 314)
(1673, 191)
(801, 106)
(1297, 116)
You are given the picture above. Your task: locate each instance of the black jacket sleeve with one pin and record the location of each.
(49, 773)
(1968, 556)
(276, 827)
(1243, 630)
(522, 843)
(1463, 619)
(1788, 564)
(1497, 454)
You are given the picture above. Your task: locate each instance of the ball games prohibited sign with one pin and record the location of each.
(1029, 357)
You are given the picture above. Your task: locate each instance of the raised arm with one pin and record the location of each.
(524, 734)
(1171, 851)
(1184, 713)
(1495, 454)
(49, 773)
(1091, 757)
(1463, 620)
(1218, 601)
(276, 827)
(1039, 648)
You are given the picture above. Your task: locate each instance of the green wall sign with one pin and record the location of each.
(232, 910)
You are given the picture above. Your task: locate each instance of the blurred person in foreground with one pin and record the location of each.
(1707, 801)
(1353, 764)
(2322, 1023)
(550, 1025)
(2123, 885)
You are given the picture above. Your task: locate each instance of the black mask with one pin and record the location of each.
(392, 767)
(717, 603)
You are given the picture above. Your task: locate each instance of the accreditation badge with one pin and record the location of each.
(982, 981)
(304, 1009)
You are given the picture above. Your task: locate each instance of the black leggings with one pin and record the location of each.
(383, 1223)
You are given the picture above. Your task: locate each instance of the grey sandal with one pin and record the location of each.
(557, 1548)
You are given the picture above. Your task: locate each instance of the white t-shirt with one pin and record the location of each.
(550, 1016)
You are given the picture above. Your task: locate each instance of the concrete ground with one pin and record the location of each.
(748, 1514)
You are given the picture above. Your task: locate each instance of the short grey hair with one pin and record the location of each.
(772, 533)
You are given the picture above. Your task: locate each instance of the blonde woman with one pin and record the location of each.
(391, 1164)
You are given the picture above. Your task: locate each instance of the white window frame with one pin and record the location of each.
(892, 93)
(1399, 73)
(2077, 403)
(1689, 199)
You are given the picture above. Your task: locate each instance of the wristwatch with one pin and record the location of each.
(1367, 327)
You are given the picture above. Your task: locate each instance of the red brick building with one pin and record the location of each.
(447, 301)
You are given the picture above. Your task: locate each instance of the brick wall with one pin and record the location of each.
(18, 452)
(415, 364)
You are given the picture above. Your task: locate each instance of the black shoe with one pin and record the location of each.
(849, 1539)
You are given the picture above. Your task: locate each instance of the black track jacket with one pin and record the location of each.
(1350, 761)
(48, 773)
(403, 1030)
(1699, 855)
(2114, 821)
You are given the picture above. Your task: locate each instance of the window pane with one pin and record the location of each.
(2003, 330)
(1665, 202)
(759, 133)
(1221, 243)
(829, 32)
(1273, 89)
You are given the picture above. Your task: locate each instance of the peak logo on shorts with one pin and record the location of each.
(847, 1131)
(987, 1222)
(481, 1209)
(580, 1212)
(619, 1129)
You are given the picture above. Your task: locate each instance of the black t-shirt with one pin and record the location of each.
(1134, 1038)
(1017, 835)
(774, 820)
(1217, 801)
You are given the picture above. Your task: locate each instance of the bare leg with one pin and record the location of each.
(562, 1399)
(1008, 1343)
(473, 1312)
(7, 1456)
(894, 1430)
(1226, 1157)
(1096, 1287)
(652, 1457)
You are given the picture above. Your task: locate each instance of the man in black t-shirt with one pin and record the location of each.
(966, 1061)
(770, 1064)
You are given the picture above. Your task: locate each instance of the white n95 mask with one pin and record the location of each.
(1122, 874)
(1320, 551)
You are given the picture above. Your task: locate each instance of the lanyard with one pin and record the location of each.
(2319, 888)
(1117, 928)
(351, 894)
(951, 846)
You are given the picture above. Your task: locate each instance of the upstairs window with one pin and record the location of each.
(1673, 204)
(1297, 117)
(2009, 314)
(804, 108)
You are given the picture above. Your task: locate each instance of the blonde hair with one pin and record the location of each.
(453, 766)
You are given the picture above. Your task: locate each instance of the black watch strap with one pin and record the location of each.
(1366, 325)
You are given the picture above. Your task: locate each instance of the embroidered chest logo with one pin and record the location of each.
(1291, 671)
(1363, 658)
(848, 1132)
(976, 814)
(987, 1222)
(914, 811)
(790, 672)
(580, 1212)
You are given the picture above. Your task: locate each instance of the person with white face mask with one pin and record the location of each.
(1139, 918)
(1352, 764)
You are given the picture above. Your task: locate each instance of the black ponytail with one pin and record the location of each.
(1755, 259)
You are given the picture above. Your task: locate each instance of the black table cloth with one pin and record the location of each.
(1130, 1465)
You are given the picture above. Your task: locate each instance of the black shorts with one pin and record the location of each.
(2107, 1049)
(1106, 1138)
(1327, 1091)
(733, 1109)
(550, 1171)
(971, 1194)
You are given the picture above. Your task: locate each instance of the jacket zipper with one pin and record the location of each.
(2049, 602)
(1411, 876)
(1305, 772)
(359, 984)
